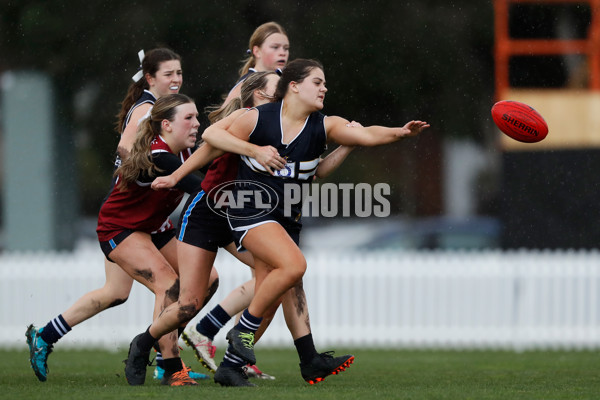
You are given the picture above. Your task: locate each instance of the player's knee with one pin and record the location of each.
(117, 302)
(214, 275)
(117, 293)
(297, 269)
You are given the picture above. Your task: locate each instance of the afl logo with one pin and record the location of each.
(285, 172)
(255, 198)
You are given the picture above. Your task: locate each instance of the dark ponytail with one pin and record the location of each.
(150, 65)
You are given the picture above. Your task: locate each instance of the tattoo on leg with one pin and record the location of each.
(300, 299)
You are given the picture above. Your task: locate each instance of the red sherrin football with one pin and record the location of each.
(519, 121)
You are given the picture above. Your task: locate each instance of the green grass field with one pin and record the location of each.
(376, 374)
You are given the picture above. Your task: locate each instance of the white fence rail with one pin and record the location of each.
(514, 300)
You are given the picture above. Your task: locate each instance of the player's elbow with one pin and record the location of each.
(321, 174)
(209, 136)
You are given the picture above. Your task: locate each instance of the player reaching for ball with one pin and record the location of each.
(268, 50)
(204, 231)
(297, 129)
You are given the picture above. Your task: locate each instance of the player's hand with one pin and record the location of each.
(269, 158)
(413, 128)
(164, 182)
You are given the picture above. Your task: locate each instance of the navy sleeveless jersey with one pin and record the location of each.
(146, 97)
(302, 156)
(243, 78)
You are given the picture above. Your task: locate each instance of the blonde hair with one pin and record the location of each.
(139, 160)
(257, 39)
(256, 81)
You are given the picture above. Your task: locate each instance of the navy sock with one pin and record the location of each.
(160, 362)
(248, 322)
(306, 348)
(55, 329)
(231, 360)
(212, 322)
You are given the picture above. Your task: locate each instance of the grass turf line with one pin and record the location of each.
(376, 374)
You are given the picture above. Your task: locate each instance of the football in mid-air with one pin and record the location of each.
(519, 121)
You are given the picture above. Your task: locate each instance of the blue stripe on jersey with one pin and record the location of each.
(112, 244)
(186, 215)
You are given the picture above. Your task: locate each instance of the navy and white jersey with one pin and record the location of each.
(146, 98)
(302, 153)
(302, 156)
(243, 78)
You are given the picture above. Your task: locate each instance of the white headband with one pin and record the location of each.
(138, 75)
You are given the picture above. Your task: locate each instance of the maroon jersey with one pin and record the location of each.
(140, 208)
(222, 169)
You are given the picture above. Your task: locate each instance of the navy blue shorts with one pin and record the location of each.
(202, 225)
(159, 239)
(240, 226)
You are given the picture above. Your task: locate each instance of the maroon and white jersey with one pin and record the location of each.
(223, 168)
(140, 208)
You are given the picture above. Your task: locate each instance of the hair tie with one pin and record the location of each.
(248, 51)
(138, 75)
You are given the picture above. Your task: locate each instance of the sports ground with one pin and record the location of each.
(376, 374)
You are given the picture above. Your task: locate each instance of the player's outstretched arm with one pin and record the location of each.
(200, 158)
(203, 155)
(339, 132)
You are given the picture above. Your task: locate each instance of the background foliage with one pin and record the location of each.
(386, 62)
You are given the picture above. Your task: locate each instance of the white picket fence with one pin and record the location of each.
(494, 299)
